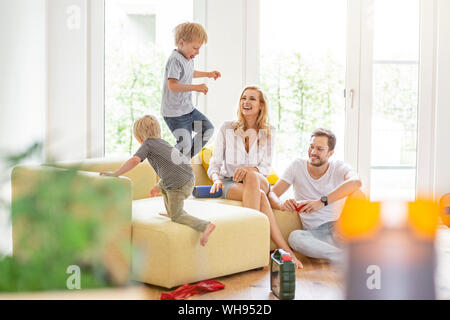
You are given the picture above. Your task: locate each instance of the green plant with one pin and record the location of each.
(59, 219)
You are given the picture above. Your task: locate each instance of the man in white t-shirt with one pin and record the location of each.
(320, 188)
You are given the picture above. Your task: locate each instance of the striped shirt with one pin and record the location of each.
(170, 165)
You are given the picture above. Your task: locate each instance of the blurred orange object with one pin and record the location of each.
(359, 219)
(423, 217)
(445, 209)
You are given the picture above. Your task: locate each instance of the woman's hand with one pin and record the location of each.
(289, 205)
(217, 185)
(240, 174)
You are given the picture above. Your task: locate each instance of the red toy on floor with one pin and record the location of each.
(187, 290)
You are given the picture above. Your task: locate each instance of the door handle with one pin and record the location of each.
(352, 93)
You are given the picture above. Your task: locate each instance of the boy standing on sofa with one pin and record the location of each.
(177, 108)
(177, 180)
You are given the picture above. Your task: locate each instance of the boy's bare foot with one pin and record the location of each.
(164, 214)
(209, 228)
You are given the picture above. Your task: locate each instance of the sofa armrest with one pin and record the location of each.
(143, 176)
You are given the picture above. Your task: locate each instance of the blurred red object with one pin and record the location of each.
(187, 290)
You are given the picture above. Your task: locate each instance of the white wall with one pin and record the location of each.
(22, 89)
(67, 80)
(22, 77)
(442, 151)
(224, 52)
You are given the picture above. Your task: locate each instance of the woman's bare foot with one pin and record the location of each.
(298, 263)
(164, 214)
(209, 228)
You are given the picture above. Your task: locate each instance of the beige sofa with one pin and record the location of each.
(165, 253)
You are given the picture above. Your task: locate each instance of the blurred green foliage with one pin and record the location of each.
(60, 218)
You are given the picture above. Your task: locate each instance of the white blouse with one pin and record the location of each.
(229, 152)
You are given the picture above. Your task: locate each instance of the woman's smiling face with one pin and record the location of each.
(250, 103)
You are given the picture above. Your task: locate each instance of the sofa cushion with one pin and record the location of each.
(168, 254)
(287, 221)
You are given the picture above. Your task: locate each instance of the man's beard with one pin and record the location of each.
(317, 164)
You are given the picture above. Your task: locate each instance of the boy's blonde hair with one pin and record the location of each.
(146, 127)
(190, 31)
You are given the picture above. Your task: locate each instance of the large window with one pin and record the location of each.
(138, 39)
(302, 71)
(395, 99)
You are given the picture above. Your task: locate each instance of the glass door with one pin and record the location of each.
(138, 39)
(389, 97)
(302, 71)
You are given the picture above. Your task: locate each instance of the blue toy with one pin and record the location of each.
(203, 192)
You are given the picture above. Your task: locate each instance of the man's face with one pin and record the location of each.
(318, 151)
(189, 49)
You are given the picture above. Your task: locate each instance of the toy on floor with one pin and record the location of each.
(204, 192)
(282, 275)
(187, 290)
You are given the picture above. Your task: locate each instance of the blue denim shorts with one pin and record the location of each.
(227, 183)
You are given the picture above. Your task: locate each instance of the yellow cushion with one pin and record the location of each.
(168, 254)
(205, 156)
(273, 177)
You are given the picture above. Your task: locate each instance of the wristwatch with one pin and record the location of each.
(324, 200)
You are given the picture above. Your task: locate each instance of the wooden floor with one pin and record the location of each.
(317, 280)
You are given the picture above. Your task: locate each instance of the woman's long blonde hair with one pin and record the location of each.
(262, 122)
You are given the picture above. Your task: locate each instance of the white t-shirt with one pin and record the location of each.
(307, 188)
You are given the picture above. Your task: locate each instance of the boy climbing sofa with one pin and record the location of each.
(165, 253)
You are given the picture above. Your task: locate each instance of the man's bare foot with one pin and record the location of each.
(164, 214)
(209, 228)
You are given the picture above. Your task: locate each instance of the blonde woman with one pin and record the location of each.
(242, 159)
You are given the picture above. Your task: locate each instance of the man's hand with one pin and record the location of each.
(311, 206)
(214, 74)
(201, 88)
(108, 174)
(217, 185)
(289, 205)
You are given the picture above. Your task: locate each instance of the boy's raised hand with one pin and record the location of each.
(201, 88)
(215, 74)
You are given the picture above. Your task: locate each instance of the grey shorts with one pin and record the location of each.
(227, 183)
